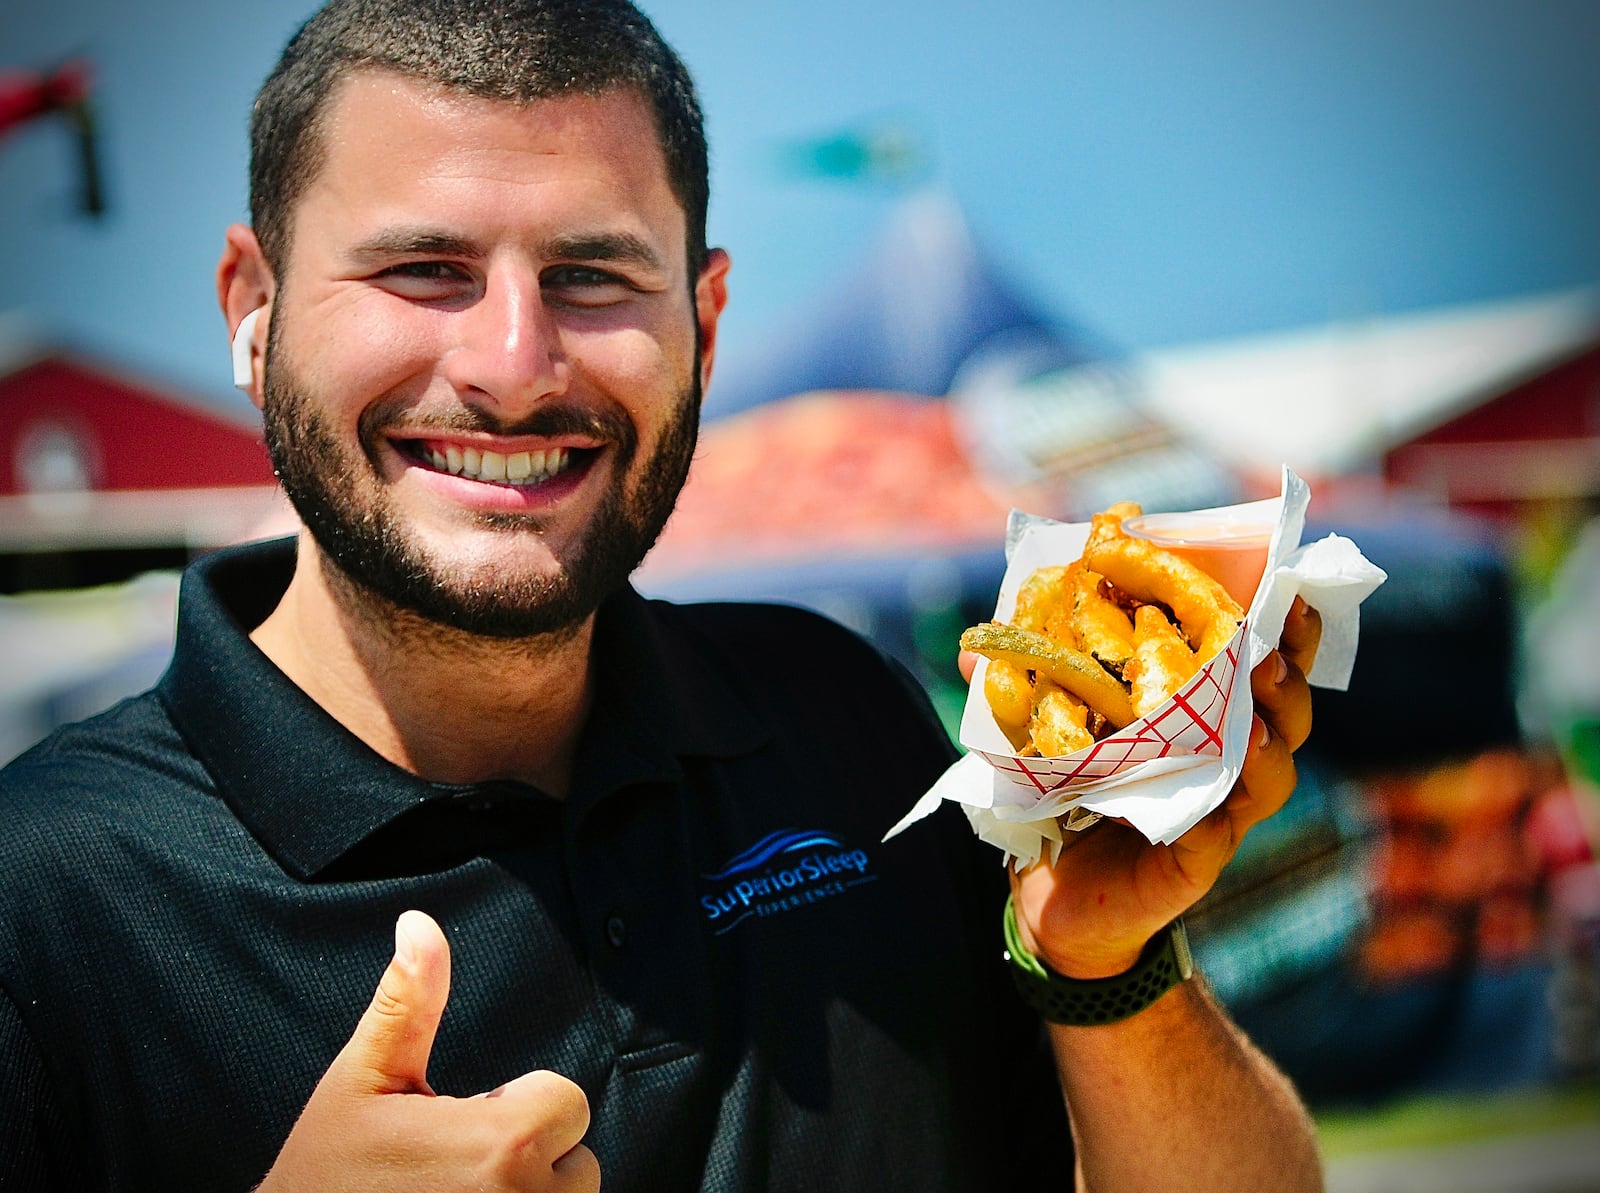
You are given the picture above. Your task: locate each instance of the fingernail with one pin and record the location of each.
(405, 950)
(1262, 734)
(1280, 669)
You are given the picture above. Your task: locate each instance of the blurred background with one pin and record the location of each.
(1017, 254)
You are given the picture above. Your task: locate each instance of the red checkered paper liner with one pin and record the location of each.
(1190, 722)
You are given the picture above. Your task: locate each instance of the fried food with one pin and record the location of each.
(1069, 667)
(1098, 643)
(1010, 694)
(1142, 570)
(1041, 598)
(1100, 623)
(1107, 524)
(1060, 721)
(1162, 661)
(1070, 604)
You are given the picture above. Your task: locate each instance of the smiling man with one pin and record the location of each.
(476, 309)
(481, 383)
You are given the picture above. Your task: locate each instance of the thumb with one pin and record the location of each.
(389, 1051)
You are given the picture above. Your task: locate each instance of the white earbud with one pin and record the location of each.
(243, 375)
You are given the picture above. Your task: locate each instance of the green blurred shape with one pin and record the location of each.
(1583, 742)
(1432, 1121)
(876, 153)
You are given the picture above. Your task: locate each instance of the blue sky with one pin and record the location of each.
(1161, 171)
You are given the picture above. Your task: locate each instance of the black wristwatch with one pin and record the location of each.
(1164, 963)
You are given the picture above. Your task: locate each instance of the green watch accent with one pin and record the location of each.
(1089, 1002)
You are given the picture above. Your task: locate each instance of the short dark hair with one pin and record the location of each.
(513, 50)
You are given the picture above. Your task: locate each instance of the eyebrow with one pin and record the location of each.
(394, 242)
(605, 246)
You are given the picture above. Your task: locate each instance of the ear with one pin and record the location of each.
(710, 296)
(245, 283)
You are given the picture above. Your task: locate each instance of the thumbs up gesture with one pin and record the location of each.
(374, 1123)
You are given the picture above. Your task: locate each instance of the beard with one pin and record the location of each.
(368, 542)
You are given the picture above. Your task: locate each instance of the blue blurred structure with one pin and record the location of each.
(917, 310)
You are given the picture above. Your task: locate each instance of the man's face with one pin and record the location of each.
(483, 379)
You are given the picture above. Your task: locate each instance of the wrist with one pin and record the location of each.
(1090, 958)
(1163, 963)
(1108, 963)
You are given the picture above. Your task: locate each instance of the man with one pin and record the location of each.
(477, 312)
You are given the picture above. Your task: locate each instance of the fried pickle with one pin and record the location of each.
(1072, 669)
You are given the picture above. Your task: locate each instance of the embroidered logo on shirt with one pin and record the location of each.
(783, 871)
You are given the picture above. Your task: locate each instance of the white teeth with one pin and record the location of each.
(518, 468)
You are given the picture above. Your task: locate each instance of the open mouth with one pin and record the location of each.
(523, 469)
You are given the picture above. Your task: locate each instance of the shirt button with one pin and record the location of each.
(616, 931)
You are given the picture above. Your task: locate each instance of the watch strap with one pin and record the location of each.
(1088, 1002)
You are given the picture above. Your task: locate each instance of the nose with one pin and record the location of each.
(507, 352)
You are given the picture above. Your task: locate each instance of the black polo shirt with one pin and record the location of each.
(198, 892)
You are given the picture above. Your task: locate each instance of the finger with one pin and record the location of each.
(549, 1112)
(389, 1051)
(1265, 782)
(578, 1171)
(1282, 698)
(1202, 852)
(1302, 634)
(966, 662)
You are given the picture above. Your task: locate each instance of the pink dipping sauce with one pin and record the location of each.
(1233, 553)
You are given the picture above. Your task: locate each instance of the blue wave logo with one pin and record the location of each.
(769, 847)
(783, 871)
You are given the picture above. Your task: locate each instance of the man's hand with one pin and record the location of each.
(373, 1122)
(1090, 914)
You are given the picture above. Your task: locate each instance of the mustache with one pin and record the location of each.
(549, 421)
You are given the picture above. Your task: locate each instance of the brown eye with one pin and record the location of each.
(425, 280)
(583, 285)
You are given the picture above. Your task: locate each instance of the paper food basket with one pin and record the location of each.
(1165, 771)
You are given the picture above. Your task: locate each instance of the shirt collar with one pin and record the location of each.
(311, 791)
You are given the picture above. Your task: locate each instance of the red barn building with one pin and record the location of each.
(1537, 439)
(103, 476)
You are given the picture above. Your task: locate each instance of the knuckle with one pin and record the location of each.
(1269, 765)
(387, 1003)
(545, 1119)
(560, 1091)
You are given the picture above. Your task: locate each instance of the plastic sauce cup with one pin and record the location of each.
(1233, 553)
